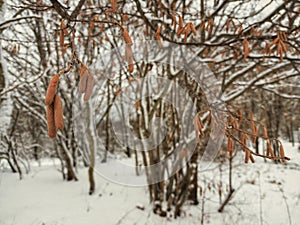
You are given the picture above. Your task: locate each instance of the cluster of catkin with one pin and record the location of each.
(184, 30)
(254, 136)
(54, 109)
(236, 135)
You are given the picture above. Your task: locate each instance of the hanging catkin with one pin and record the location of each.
(265, 133)
(130, 67)
(58, 113)
(252, 159)
(157, 36)
(193, 29)
(50, 120)
(246, 48)
(127, 37)
(51, 91)
(61, 33)
(282, 156)
(83, 78)
(114, 5)
(247, 155)
(89, 87)
(129, 58)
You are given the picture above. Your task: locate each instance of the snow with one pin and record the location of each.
(266, 189)
(43, 198)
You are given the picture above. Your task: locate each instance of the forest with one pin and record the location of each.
(149, 112)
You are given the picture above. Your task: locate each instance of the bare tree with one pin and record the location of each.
(250, 47)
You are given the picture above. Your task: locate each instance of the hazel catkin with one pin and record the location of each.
(89, 87)
(58, 113)
(83, 79)
(50, 120)
(51, 91)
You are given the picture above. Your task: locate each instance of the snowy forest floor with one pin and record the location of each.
(266, 193)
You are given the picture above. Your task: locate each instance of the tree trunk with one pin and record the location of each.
(2, 77)
(92, 146)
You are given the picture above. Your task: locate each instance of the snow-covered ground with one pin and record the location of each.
(266, 193)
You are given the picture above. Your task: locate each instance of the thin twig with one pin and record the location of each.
(124, 216)
(286, 204)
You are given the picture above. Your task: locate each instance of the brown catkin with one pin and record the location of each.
(58, 113)
(158, 38)
(50, 120)
(128, 53)
(227, 25)
(240, 29)
(174, 20)
(234, 123)
(114, 5)
(130, 67)
(244, 138)
(193, 29)
(211, 24)
(270, 150)
(158, 30)
(180, 22)
(240, 115)
(247, 155)
(61, 34)
(251, 158)
(246, 48)
(180, 31)
(265, 133)
(254, 131)
(129, 58)
(51, 91)
(282, 153)
(83, 78)
(89, 87)
(127, 37)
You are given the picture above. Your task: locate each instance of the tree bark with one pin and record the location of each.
(92, 146)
